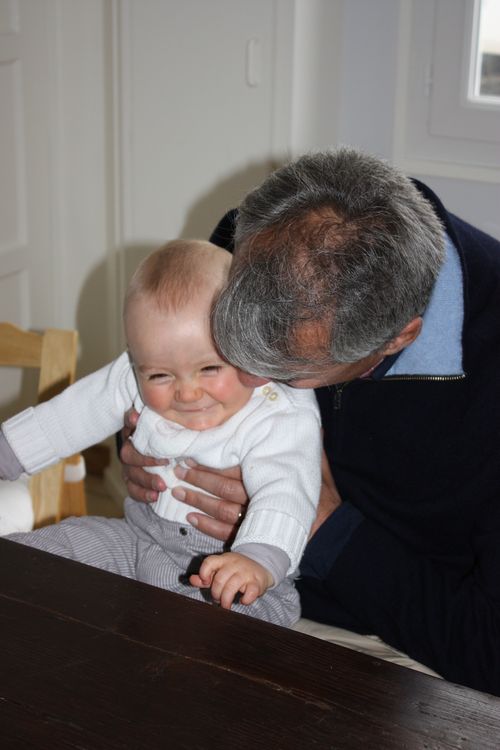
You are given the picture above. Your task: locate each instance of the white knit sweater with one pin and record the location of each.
(275, 438)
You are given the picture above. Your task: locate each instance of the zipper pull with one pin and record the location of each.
(337, 399)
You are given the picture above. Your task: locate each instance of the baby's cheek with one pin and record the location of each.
(152, 397)
(229, 386)
(219, 391)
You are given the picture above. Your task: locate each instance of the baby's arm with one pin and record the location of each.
(281, 461)
(232, 573)
(281, 471)
(80, 416)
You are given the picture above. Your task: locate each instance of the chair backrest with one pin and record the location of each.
(53, 352)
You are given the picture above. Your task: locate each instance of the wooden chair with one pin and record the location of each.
(54, 354)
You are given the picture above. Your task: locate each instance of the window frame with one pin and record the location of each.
(438, 129)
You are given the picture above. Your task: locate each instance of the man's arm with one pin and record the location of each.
(381, 586)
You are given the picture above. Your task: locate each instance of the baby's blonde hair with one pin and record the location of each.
(177, 272)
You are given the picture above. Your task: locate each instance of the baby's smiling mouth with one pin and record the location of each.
(194, 409)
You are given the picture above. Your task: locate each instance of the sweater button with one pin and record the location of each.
(183, 531)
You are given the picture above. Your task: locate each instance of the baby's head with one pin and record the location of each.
(167, 307)
(178, 272)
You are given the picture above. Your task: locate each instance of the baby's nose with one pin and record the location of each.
(188, 392)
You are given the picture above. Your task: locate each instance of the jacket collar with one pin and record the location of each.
(437, 351)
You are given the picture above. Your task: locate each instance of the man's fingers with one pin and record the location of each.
(222, 510)
(143, 486)
(142, 495)
(130, 457)
(233, 472)
(211, 527)
(135, 475)
(224, 486)
(130, 419)
(129, 424)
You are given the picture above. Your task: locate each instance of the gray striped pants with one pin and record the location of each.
(150, 549)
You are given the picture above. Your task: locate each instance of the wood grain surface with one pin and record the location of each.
(93, 660)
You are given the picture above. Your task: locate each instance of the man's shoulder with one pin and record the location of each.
(465, 235)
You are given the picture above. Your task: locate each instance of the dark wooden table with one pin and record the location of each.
(92, 660)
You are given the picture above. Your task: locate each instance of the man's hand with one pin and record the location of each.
(225, 510)
(141, 485)
(329, 499)
(230, 573)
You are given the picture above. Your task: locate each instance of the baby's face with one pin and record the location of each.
(179, 373)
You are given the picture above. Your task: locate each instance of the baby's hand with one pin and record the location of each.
(230, 573)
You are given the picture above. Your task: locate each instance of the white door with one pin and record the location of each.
(27, 264)
(124, 123)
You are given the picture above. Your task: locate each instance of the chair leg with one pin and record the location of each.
(73, 499)
(46, 489)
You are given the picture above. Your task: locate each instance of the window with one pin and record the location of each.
(484, 77)
(451, 119)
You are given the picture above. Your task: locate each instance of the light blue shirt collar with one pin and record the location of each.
(438, 348)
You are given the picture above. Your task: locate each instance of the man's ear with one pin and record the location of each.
(404, 338)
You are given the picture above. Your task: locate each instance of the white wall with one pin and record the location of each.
(375, 65)
(369, 69)
(125, 123)
(132, 121)
(195, 125)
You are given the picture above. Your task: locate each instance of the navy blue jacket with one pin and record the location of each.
(413, 554)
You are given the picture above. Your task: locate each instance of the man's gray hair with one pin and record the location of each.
(337, 242)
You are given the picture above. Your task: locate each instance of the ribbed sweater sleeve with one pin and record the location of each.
(282, 476)
(82, 415)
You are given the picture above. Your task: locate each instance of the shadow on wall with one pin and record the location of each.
(199, 222)
(203, 216)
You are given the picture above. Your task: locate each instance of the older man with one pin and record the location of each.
(352, 279)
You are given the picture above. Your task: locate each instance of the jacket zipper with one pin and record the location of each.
(425, 377)
(337, 398)
(339, 388)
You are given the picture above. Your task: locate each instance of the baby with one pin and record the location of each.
(192, 405)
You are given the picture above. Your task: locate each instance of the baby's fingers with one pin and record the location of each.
(250, 594)
(229, 591)
(209, 568)
(195, 580)
(203, 579)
